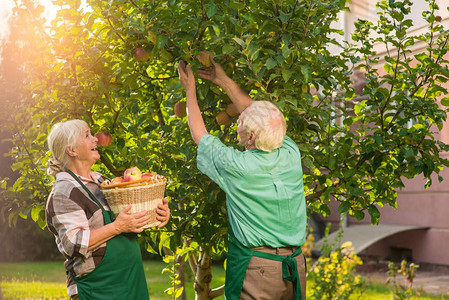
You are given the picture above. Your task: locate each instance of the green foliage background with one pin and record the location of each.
(356, 148)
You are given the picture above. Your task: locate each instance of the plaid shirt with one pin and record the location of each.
(70, 215)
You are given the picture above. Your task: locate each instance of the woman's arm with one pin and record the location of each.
(194, 117)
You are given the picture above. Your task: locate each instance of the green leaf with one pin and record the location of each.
(35, 212)
(227, 49)
(212, 10)
(178, 293)
(306, 72)
(333, 163)
(445, 101)
(324, 210)
(374, 213)
(271, 63)
(350, 173)
(216, 29)
(359, 107)
(344, 207)
(284, 17)
(379, 140)
(286, 51)
(360, 215)
(23, 216)
(239, 41)
(286, 74)
(422, 57)
(377, 161)
(161, 41)
(307, 162)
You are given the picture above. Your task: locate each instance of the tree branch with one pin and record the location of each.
(217, 292)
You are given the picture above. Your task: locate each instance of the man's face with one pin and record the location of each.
(243, 135)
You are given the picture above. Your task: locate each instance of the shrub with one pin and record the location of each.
(401, 292)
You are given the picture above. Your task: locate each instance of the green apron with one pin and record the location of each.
(120, 274)
(238, 260)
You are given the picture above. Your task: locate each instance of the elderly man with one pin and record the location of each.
(264, 192)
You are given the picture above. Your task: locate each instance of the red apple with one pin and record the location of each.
(117, 180)
(104, 138)
(133, 173)
(222, 118)
(205, 58)
(148, 175)
(231, 110)
(141, 54)
(180, 109)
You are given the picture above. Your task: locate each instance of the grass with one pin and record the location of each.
(46, 280)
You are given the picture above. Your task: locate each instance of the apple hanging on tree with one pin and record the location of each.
(141, 54)
(205, 58)
(180, 109)
(104, 138)
(222, 118)
(231, 110)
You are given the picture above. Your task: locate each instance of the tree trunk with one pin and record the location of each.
(203, 277)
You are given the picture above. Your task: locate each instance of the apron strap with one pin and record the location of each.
(87, 190)
(289, 268)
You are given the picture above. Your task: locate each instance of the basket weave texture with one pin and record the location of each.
(143, 194)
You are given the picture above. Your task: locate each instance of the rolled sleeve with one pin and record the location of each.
(211, 152)
(72, 227)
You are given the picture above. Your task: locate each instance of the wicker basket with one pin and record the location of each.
(142, 194)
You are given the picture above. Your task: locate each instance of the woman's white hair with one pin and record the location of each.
(267, 122)
(62, 135)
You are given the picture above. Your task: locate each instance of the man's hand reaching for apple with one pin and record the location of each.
(186, 77)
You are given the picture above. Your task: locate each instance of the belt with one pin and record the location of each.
(285, 251)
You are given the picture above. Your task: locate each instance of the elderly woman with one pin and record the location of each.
(264, 192)
(103, 259)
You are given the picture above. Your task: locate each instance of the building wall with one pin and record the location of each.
(416, 206)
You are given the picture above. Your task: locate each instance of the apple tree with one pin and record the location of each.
(114, 64)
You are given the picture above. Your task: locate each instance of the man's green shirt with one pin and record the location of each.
(264, 191)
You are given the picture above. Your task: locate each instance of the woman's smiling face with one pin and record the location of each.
(86, 147)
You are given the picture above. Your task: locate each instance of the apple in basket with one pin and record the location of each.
(117, 180)
(148, 175)
(132, 174)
